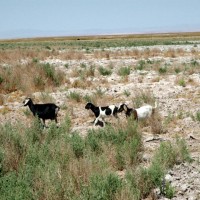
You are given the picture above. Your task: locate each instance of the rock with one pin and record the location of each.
(168, 177)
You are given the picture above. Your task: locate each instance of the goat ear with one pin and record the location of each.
(125, 108)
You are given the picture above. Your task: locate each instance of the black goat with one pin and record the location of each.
(102, 111)
(43, 111)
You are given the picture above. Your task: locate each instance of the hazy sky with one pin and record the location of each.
(30, 18)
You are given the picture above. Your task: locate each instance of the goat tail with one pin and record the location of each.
(156, 105)
(57, 109)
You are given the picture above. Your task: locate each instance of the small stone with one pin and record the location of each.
(168, 177)
(184, 187)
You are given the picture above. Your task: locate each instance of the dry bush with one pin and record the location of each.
(192, 82)
(195, 52)
(156, 123)
(71, 55)
(143, 97)
(156, 79)
(75, 72)
(102, 54)
(81, 83)
(16, 56)
(35, 77)
(146, 53)
(46, 98)
(180, 52)
(155, 52)
(170, 53)
(1, 99)
(97, 54)
(136, 53)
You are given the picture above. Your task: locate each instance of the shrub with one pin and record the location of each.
(141, 65)
(39, 82)
(194, 62)
(102, 187)
(93, 142)
(83, 65)
(127, 93)
(90, 71)
(13, 186)
(35, 60)
(162, 70)
(51, 74)
(144, 180)
(135, 148)
(182, 82)
(198, 116)
(66, 65)
(35, 77)
(124, 71)
(120, 159)
(105, 72)
(99, 92)
(1, 80)
(156, 123)
(78, 145)
(75, 96)
(1, 99)
(177, 70)
(143, 97)
(89, 98)
(169, 190)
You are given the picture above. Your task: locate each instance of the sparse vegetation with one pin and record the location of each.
(198, 116)
(124, 71)
(75, 96)
(143, 97)
(181, 82)
(162, 70)
(104, 71)
(35, 77)
(101, 163)
(127, 93)
(141, 65)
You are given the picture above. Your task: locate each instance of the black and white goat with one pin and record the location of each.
(43, 111)
(138, 113)
(101, 112)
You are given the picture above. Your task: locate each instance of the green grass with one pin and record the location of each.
(55, 163)
(198, 116)
(162, 70)
(182, 82)
(127, 93)
(104, 71)
(141, 65)
(75, 96)
(87, 42)
(143, 97)
(124, 71)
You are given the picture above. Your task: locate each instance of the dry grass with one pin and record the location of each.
(81, 83)
(2, 99)
(19, 56)
(71, 55)
(34, 78)
(156, 123)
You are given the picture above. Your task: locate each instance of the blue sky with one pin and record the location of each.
(34, 18)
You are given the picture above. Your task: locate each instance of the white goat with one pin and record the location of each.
(139, 113)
